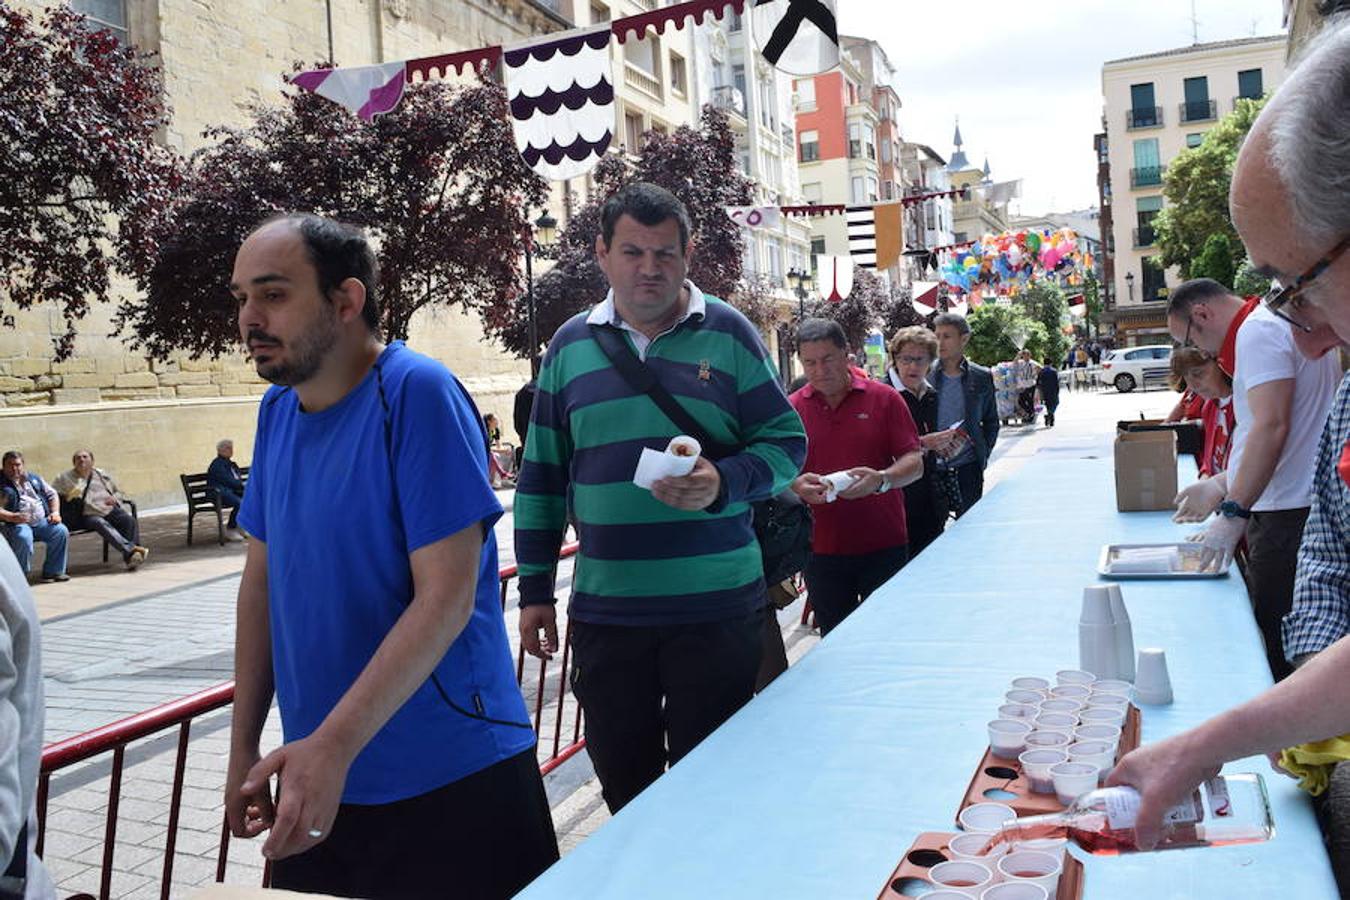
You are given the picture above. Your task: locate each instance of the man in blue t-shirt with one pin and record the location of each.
(369, 602)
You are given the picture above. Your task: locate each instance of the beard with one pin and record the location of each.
(305, 354)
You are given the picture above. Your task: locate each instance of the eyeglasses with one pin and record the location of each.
(1285, 302)
(912, 360)
(1186, 341)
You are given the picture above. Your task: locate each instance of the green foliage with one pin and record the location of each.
(1248, 282)
(992, 331)
(1044, 303)
(860, 313)
(1195, 188)
(1216, 260)
(1092, 296)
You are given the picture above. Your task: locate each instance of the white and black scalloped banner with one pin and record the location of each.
(799, 37)
(561, 92)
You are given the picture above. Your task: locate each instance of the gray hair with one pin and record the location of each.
(956, 320)
(821, 330)
(1309, 140)
(223, 443)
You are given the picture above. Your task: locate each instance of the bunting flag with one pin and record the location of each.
(889, 222)
(367, 91)
(834, 277)
(799, 37)
(755, 216)
(862, 235)
(925, 296)
(561, 94)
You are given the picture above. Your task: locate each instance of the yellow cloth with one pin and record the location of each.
(1312, 763)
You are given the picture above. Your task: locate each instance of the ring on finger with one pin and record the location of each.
(316, 832)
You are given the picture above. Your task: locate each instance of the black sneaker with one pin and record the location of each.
(48, 579)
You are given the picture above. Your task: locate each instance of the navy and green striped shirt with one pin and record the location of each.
(642, 562)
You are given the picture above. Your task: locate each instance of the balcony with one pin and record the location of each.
(1258, 98)
(1198, 111)
(1145, 236)
(642, 81)
(1144, 117)
(729, 99)
(1146, 176)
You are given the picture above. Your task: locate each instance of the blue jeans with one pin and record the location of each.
(21, 538)
(230, 500)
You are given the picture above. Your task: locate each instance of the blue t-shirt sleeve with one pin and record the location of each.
(441, 459)
(251, 512)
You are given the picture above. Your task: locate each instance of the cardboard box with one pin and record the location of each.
(1190, 435)
(1146, 470)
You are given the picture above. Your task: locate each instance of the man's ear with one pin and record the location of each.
(350, 299)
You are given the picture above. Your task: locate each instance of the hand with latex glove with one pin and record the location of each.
(1197, 501)
(1219, 541)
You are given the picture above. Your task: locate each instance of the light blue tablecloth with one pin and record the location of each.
(818, 786)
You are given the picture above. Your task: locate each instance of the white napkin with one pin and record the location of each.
(1147, 561)
(677, 459)
(836, 482)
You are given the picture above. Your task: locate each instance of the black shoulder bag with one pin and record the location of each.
(782, 524)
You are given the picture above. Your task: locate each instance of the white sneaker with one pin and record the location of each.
(233, 536)
(137, 557)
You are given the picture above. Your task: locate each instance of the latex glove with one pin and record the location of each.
(1195, 502)
(1220, 540)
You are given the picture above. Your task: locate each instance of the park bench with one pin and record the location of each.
(68, 518)
(201, 499)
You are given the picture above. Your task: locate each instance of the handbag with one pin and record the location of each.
(782, 524)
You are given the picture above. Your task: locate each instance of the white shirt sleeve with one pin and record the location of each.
(1266, 352)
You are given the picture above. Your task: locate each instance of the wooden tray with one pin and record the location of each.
(930, 848)
(995, 773)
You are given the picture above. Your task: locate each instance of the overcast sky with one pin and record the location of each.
(1025, 77)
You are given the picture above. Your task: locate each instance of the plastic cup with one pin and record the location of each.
(1061, 704)
(969, 846)
(1034, 866)
(1114, 701)
(1101, 715)
(1098, 732)
(946, 894)
(1036, 765)
(1152, 685)
(1049, 845)
(1074, 676)
(1031, 698)
(1094, 753)
(1112, 686)
(1055, 721)
(1030, 683)
(985, 818)
(1040, 740)
(1012, 890)
(1007, 737)
(1018, 711)
(966, 877)
(1071, 691)
(1073, 779)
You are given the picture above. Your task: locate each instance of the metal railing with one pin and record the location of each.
(730, 99)
(115, 737)
(1146, 176)
(1198, 110)
(1143, 117)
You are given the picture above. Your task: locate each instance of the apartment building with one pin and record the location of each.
(1156, 106)
(928, 223)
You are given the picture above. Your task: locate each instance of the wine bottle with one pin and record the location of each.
(1227, 809)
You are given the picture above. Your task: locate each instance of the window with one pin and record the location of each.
(1147, 166)
(645, 55)
(735, 24)
(872, 190)
(810, 146)
(599, 12)
(1154, 281)
(869, 141)
(960, 237)
(632, 132)
(1193, 140)
(855, 140)
(852, 93)
(738, 80)
(886, 151)
(811, 192)
(775, 260)
(1146, 209)
(1197, 107)
(857, 190)
(1250, 85)
(678, 76)
(817, 249)
(104, 14)
(1144, 111)
(888, 190)
(806, 93)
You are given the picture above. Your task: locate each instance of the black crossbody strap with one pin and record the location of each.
(641, 379)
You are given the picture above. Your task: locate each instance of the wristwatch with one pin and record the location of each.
(1231, 509)
(884, 486)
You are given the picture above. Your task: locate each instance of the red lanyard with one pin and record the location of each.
(1343, 467)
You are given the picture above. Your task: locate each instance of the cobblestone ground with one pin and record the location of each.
(133, 653)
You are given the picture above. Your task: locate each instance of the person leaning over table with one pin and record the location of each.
(408, 765)
(912, 351)
(97, 504)
(1291, 206)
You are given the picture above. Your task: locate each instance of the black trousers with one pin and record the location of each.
(1272, 556)
(651, 693)
(836, 585)
(118, 528)
(483, 837)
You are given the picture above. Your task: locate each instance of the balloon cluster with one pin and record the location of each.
(1013, 259)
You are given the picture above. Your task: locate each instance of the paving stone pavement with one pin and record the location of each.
(128, 650)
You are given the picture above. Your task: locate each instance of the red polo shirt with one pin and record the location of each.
(1228, 352)
(871, 427)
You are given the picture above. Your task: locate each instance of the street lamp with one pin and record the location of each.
(1129, 285)
(798, 279)
(545, 228)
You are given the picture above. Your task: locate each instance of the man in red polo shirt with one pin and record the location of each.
(860, 427)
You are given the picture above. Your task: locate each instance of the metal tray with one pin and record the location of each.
(1108, 566)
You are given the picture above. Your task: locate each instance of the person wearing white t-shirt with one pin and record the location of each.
(1281, 399)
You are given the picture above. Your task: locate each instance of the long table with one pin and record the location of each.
(818, 786)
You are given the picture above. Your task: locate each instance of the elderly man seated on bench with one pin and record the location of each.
(32, 513)
(224, 477)
(94, 502)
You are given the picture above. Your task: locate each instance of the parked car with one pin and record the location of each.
(1136, 366)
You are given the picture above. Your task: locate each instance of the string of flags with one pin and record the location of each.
(560, 87)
